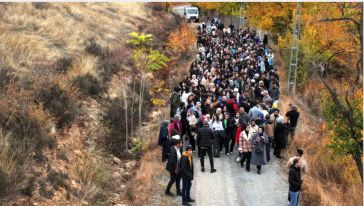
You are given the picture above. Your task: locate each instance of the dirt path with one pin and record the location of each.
(232, 185)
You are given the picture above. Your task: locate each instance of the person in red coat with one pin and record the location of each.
(231, 106)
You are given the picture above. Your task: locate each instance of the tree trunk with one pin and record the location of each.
(359, 165)
(132, 109)
(140, 100)
(126, 119)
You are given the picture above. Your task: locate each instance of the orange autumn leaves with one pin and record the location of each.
(182, 40)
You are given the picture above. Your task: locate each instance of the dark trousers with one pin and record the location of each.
(193, 142)
(267, 148)
(216, 145)
(209, 153)
(186, 188)
(232, 144)
(246, 156)
(174, 178)
(277, 152)
(259, 167)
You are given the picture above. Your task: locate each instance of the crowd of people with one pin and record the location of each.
(228, 102)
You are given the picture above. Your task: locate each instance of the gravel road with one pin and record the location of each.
(232, 185)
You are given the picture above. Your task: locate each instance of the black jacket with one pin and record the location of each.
(279, 134)
(186, 168)
(294, 179)
(172, 163)
(205, 136)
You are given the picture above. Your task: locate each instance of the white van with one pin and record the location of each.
(191, 13)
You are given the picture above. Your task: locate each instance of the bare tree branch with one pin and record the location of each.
(339, 19)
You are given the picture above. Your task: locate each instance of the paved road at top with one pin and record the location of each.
(232, 185)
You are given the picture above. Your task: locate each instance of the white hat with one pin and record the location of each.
(236, 89)
(252, 80)
(256, 75)
(176, 137)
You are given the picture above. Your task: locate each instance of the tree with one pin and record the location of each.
(146, 60)
(181, 40)
(343, 113)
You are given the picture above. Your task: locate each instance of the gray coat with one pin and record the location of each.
(259, 159)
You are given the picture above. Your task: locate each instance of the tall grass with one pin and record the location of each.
(330, 180)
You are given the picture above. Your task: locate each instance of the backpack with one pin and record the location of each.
(175, 99)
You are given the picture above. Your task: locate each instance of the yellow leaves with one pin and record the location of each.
(158, 102)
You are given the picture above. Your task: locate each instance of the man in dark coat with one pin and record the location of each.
(292, 118)
(295, 182)
(186, 165)
(205, 136)
(279, 137)
(175, 101)
(173, 168)
(163, 139)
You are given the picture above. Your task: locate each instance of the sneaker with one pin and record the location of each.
(227, 154)
(238, 159)
(186, 204)
(213, 170)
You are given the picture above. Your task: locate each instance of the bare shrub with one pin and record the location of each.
(92, 47)
(89, 85)
(58, 103)
(40, 5)
(57, 179)
(62, 65)
(6, 77)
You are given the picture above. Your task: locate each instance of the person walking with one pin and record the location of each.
(216, 126)
(279, 134)
(303, 167)
(292, 118)
(205, 136)
(268, 129)
(259, 156)
(295, 182)
(186, 165)
(173, 169)
(175, 100)
(246, 147)
(163, 139)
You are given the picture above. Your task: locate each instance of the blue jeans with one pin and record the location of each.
(294, 198)
(186, 188)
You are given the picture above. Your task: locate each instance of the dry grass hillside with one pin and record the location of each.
(62, 66)
(329, 178)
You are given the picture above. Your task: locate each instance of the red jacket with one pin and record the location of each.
(237, 136)
(232, 106)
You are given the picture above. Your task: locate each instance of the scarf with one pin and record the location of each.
(185, 154)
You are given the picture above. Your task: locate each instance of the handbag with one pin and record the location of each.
(258, 149)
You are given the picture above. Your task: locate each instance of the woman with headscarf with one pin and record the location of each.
(163, 139)
(246, 147)
(259, 156)
(175, 128)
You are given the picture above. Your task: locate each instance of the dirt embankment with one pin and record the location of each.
(63, 64)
